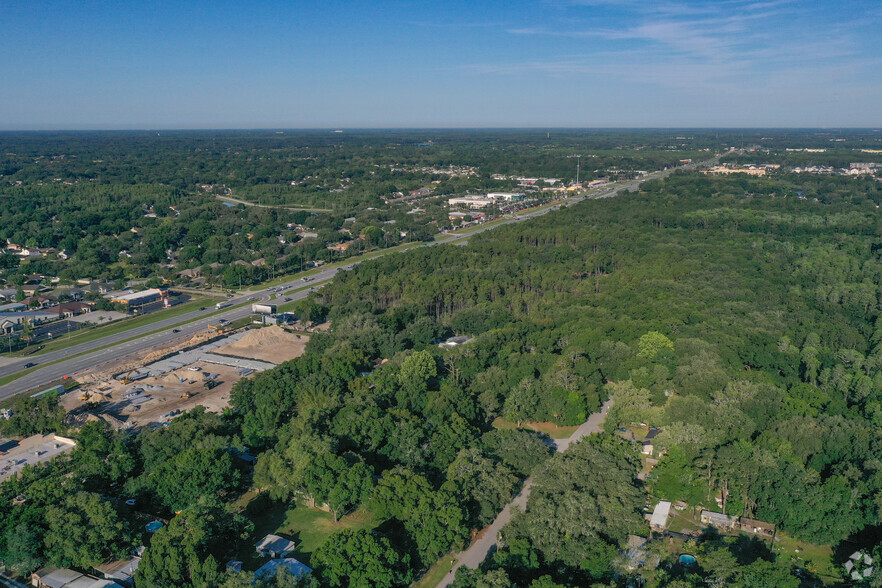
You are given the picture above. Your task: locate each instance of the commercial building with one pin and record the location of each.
(31, 451)
(471, 201)
(139, 298)
(506, 196)
(11, 321)
(65, 578)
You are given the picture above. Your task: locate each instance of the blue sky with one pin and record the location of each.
(484, 63)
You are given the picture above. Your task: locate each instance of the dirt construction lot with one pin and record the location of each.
(150, 400)
(273, 344)
(159, 398)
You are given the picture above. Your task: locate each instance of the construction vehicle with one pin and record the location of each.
(186, 394)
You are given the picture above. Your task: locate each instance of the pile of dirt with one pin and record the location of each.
(273, 344)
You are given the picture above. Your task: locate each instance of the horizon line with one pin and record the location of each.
(331, 129)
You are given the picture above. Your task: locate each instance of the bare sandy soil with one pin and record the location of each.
(180, 390)
(273, 344)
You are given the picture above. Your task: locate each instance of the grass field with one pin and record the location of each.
(308, 528)
(817, 559)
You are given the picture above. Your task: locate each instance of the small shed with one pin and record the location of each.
(757, 527)
(718, 520)
(646, 445)
(659, 520)
(274, 546)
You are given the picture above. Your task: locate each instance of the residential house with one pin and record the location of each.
(65, 578)
(8, 293)
(719, 520)
(190, 273)
(122, 571)
(420, 193)
(32, 289)
(13, 306)
(40, 301)
(274, 546)
(757, 527)
(659, 519)
(72, 294)
(340, 246)
(65, 254)
(269, 569)
(646, 445)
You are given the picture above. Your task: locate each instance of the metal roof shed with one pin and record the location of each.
(660, 515)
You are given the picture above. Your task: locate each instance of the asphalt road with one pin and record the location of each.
(477, 552)
(141, 340)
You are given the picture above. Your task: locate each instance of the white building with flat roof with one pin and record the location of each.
(659, 520)
(507, 196)
(471, 201)
(31, 451)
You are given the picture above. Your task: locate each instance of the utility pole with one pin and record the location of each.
(578, 167)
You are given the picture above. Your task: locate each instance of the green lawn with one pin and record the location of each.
(817, 559)
(436, 573)
(308, 528)
(311, 527)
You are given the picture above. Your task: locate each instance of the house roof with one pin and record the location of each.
(69, 307)
(718, 517)
(64, 578)
(122, 570)
(660, 514)
(138, 295)
(753, 523)
(296, 568)
(275, 544)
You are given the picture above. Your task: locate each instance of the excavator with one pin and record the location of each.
(126, 380)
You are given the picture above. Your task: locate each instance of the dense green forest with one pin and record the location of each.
(145, 205)
(740, 315)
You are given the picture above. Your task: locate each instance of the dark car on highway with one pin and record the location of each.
(29, 364)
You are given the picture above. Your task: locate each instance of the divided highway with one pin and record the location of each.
(137, 340)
